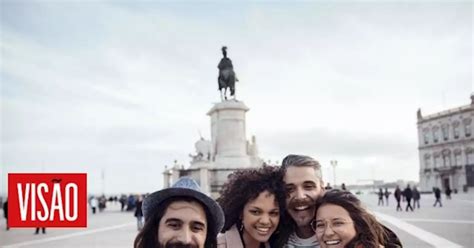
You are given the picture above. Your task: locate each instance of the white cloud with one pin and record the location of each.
(125, 87)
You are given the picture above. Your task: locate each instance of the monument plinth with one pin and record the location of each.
(228, 135)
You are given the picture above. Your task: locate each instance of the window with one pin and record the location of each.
(427, 161)
(426, 135)
(435, 134)
(456, 129)
(446, 158)
(467, 127)
(457, 157)
(469, 155)
(436, 159)
(445, 131)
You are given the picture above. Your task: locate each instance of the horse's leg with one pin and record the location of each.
(225, 93)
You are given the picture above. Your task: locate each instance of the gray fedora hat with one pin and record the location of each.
(187, 187)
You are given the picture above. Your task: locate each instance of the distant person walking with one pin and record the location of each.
(94, 203)
(328, 186)
(43, 230)
(5, 213)
(448, 192)
(139, 213)
(437, 193)
(416, 197)
(102, 203)
(343, 187)
(387, 194)
(408, 193)
(122, 201)
(380, 194)
(398, 197)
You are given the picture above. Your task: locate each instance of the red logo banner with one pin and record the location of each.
(47, 200)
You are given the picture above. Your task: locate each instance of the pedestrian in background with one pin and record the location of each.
(5, 213)
(94, 203)
(398, 197)
(380, 194)
(122, 201)
(387, 194)
(448, 192)
(408, 193)
(328, 186)
(416, 197)
(139, 212)
(343, 187)
(437, 193)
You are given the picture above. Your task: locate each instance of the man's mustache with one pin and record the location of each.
(301, 202)
(178, 245)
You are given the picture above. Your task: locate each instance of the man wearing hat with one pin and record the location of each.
(180, 216)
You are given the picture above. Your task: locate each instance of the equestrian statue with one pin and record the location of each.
(227, 76)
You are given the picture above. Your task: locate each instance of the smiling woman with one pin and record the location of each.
(253, 201)
(341, 222)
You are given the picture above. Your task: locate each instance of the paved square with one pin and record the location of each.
(450, 226)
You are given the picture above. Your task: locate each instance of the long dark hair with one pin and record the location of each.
(244, 186)
(148, 236)
(370, 233)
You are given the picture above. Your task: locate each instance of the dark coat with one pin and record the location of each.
(416, 194)
(408, 193)
(5, 209)
(398, 194)
(138, 209)
(437, 193)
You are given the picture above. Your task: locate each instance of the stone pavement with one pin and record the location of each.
(450, 226)
(111, 228)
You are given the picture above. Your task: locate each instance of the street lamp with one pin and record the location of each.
(334, 164)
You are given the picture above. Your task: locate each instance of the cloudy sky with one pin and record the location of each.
(122, 88)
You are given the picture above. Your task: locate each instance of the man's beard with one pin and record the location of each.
(177, 245)
(302, 218)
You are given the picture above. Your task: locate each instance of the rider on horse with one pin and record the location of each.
(226, 77)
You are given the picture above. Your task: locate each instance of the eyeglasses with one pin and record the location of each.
(337, 225)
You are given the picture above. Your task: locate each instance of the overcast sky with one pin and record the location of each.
(124, 88)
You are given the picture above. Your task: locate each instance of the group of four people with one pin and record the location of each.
(283, 206)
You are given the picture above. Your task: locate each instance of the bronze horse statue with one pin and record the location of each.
(227, 76)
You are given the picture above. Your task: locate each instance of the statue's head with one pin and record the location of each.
(224, 51)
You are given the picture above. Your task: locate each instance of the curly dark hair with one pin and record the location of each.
(370, 233)
(147, 237)
(245, 185)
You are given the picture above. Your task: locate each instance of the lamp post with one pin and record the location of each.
(334, 164)
(102, 179)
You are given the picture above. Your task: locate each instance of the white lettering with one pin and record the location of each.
(33, 201)
(72, 186)
(43, 202)
(56, 203)
(23, 201)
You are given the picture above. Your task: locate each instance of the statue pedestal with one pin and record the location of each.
(227, 151)
(228, 135)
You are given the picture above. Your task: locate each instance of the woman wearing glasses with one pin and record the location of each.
(341, 221)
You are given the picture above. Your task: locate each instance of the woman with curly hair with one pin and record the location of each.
(341, 221)
(253, 201)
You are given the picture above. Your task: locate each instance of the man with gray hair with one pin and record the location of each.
(304, 185)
